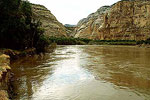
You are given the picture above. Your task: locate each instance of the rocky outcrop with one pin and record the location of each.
(5, 77)
(15, 54)
(70, 29)
(49, 22)
(125, 20)
(88, 27)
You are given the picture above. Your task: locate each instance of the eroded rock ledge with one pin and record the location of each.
(5, 77)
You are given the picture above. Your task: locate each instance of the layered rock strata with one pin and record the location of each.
(88, 27)
(125, 20)
(49, 22)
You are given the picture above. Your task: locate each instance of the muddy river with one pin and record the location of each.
(84, 73)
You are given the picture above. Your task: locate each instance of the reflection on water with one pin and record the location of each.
(85, 73)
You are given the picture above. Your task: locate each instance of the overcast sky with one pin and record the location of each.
(71, 11)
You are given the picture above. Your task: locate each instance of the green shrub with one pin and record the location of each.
(82, 41)
(143, 42)
(18, 28)
(42, 43)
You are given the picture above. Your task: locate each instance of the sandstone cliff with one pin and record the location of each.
(125, 20)
(70, 29)
(49, 22)
(88, 27)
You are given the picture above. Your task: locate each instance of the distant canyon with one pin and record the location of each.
(124, 20)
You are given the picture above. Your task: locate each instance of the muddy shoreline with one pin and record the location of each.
(6, 76)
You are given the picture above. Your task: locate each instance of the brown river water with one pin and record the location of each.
(84, 73)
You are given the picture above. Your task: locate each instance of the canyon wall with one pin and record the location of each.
(49, 22)
(125, 20)
(88, 27)
(70, 29)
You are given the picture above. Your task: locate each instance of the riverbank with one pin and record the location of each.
(5, 77)
(15, 54)
(84, 41)
(8, 55)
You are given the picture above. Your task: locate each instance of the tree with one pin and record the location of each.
(18, 28)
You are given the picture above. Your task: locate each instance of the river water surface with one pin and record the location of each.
(84, 73)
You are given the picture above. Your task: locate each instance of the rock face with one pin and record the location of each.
(5, 77)
(49, 22)
(88, 27)
(70, 29)
(125, 20)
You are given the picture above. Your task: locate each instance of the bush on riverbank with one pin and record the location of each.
(18, 28)
(69, 41)
(144, 41)
(82, 41)
(114, 42)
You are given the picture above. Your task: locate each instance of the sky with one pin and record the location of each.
(71, 11)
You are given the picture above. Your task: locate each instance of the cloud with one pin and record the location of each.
(71, 11)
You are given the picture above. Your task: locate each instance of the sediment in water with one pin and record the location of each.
(6, 76)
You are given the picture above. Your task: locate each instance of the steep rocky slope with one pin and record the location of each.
(88, 27)
(49, 22)
(69, 29)
(129, 20)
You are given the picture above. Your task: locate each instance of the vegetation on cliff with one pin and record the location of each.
(18, 28)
